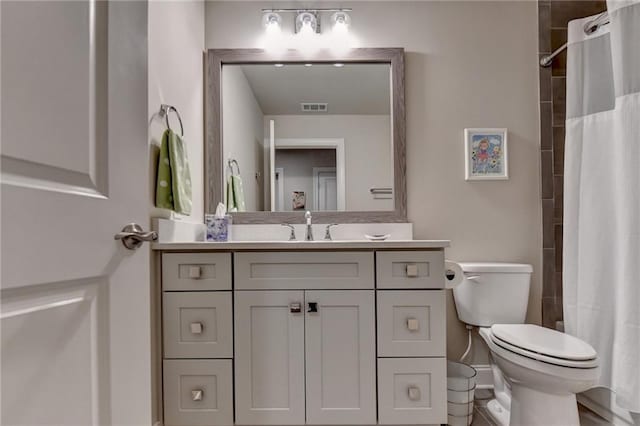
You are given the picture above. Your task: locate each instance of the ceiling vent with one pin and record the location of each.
(314, 107)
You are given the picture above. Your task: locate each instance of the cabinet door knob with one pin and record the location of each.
(197, 394)
(412, 270)
(195, 272)
(413, 324)
(295, 308)
(413, 393)
(313, 307)
(196, 328)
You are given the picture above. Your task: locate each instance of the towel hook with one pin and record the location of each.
(165, 110)
(231, 162)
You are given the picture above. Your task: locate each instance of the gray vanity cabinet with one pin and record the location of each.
(308, 337)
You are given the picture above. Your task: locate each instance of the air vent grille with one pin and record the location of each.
(314, 107)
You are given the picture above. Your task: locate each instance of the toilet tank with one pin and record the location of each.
(493, 293)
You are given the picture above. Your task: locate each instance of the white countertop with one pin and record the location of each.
(304, 245)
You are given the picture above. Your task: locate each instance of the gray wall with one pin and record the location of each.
(176, 41)
(242, 135)
(175, 45)
(367, 146)
(468, 64)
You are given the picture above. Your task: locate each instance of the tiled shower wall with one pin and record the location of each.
(553, 16)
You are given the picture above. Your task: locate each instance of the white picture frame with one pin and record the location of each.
(486, 154)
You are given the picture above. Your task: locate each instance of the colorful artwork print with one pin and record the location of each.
(486, 154)
(486, 151)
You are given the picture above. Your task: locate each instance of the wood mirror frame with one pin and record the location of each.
(214, 165)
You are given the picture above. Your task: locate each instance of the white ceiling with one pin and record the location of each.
(351, 89)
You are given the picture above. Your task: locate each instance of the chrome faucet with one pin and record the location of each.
(309, 235)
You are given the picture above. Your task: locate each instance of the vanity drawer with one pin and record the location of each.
(411, 323)
(198, 392)
(196, 271)
(410, 269)
(412, 391)
(302, 270)
(197, 324)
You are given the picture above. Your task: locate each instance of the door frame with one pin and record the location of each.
(323, 143)
(316, 184)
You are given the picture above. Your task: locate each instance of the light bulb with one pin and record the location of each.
(341, 21)
(271, 21)
(306, 22)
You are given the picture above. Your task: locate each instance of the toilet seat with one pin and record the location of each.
(545, 345)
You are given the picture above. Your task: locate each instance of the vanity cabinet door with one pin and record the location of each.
(340, 357)
(269, 357)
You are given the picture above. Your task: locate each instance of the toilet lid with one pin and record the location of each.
(544, 341)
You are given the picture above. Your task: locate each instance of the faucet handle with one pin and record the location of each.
(327, 232)
(292, 235)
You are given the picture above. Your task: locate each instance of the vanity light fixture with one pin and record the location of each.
(307, 20)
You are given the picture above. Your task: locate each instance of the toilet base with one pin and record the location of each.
(533, 407)
(498, 413)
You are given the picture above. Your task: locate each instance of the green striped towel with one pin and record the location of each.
(173, 183)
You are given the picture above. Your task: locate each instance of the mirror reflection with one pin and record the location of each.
(314, 136)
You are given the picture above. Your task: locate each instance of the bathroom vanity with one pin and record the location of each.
(295, 333)
(320, 332)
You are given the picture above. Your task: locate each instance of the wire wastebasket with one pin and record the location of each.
(461, 385)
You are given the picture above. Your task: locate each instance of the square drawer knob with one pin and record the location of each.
(197, 394)
(413, 324)
(196, 328)
(414, 393)
(195, 272)
(412, 270)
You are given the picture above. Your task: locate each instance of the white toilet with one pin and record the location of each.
(543, 368)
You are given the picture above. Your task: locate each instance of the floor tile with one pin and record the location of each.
(481, 416)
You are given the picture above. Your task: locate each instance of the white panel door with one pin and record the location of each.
(340, 357)
(75, 303)
(269, 357)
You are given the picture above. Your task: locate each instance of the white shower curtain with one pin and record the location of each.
(601, 272)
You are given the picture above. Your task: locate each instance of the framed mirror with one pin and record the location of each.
(293, 132)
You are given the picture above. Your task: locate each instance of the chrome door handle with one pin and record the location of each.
(133, 236)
